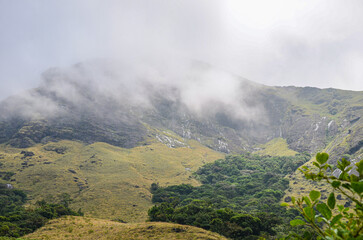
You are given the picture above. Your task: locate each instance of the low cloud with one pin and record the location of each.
(316, 43)
(104, 85)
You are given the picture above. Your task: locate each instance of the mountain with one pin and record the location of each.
(93, 104)
(104, 131)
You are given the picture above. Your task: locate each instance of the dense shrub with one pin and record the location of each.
(16, 221)
(239, 197)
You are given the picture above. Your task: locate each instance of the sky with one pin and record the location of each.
(302, 43)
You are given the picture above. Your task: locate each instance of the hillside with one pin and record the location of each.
(90, 228)
(103, 180)
(105, 144)
(347, 144)
(71, 105)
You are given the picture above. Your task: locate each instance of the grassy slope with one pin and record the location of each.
(105, 181)
(276, 147)
(321, 101)
(89, 228)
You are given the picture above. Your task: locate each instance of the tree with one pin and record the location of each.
(328, 219)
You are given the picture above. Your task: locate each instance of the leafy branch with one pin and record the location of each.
(326, 219)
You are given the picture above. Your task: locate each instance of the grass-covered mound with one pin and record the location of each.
(90, 228)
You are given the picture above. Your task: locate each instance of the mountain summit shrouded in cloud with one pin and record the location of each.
(97, 86)
(110, 101)
(314, 43)
(118, 101)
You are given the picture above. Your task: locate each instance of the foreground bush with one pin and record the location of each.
(326, 218)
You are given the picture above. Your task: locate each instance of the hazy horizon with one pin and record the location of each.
(276, 43)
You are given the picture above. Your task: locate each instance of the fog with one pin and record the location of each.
(301, 43)
(104, 86)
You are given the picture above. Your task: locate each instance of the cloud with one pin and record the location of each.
(316, 43)
(112, 87)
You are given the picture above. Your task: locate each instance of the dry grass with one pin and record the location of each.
(90, 228)
(104, 180)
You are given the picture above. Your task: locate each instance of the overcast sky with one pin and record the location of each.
(292, 42)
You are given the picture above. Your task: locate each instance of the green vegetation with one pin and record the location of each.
(276, 147)
(330, 102)
(239, 197)
(6, 175)
(328, 219)
(15, 220)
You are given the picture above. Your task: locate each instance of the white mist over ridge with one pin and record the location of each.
(114, 85)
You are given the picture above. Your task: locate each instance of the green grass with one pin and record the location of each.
(276, 147)
(323, 102)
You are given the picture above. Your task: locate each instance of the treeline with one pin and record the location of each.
(16, 221)
(239, 197)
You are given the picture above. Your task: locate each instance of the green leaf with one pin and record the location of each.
(316, 164)
(293, 200)
(284, 204)
(340, 208)
(331, 201)
(335, 184)
(344, 176)
(354, 178)
(310, 213)
(297, 222)
(345, 162)
(307, 201)
(357, 187)
(322, 157)
(324, 210)
(335, 219)
(314, 195)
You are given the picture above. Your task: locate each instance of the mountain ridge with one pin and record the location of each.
(282, 115)
(74, 123)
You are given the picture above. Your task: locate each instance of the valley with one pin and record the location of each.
(106, 150)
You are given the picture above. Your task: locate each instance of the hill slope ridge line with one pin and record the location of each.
(71, 227)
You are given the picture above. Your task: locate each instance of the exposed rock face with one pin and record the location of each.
(347, 143)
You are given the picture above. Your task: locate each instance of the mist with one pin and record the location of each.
(108, 87)
(301, 43)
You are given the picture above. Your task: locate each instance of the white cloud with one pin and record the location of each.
(316, 43)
